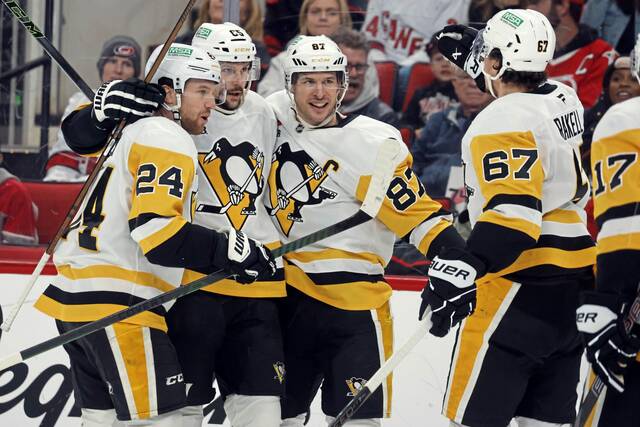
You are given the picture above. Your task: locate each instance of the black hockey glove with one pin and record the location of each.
(455, 42)
(132, 99)
(247, 259)
(610, 349)
(451, 291)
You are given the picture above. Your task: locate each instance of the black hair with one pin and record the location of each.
(528, 79)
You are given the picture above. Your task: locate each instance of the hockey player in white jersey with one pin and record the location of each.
(234, 156)
(131, 241)
(234, 159)
(611, 350)
(518, 354)
(337, 321)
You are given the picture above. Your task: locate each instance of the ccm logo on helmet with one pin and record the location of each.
(449, 269)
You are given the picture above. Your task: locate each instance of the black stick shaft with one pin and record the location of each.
(28, 24)
(358, 218)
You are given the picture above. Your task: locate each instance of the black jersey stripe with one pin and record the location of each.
(622, 211)
(97, 297)
(333, 278)
(514, 199)
(565, 243)
(142, 219)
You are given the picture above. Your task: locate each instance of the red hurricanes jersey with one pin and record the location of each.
(583, 69)
(16, 207)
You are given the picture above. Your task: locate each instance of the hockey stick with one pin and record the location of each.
(373, 200)
(223, 209)
(598, 385)
(113, 140)
(28, 24)
(301, 184)
(374, 382)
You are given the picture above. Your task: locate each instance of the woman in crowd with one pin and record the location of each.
(317, 18)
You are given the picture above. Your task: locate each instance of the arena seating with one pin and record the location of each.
(388, 76)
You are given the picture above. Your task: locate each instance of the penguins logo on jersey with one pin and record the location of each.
(294, 182)
(235, 175)
(355, 385)
(279, 368)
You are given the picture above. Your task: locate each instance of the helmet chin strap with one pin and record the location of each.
(175, 109)
(489, 79)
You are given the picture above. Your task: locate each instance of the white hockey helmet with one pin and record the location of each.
(228, 42)
(524, 37)
(309, 54)
(181, 63)
(635, 60)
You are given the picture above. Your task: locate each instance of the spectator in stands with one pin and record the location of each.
(618, 85)
(119, 60)
(18, 213)
(362, 95)
(399, 29)
(615, 20)
(317, 18)
(251, 20)
(435, 97)
(581, 58)
(439, 146)
(481, 10)
(282, 21)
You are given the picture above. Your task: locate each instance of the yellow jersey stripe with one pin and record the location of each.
(430, 236)
(162, 235)
(346, 296)
(629, 241)
(563, 216)
(329, 254)
(544, 255)
(91, 312)
(519, 224)
(114, 272)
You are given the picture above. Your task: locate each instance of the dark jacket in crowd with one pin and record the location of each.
(428, 100)
(592, 118)
(438, 149)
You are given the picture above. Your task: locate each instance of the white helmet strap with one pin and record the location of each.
(175, 109)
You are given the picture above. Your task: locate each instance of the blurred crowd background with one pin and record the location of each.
(396, 73)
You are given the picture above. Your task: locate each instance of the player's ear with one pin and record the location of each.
(170, 98)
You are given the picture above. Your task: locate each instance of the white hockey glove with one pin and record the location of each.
(455, 42)
(283, 201)
(245, 258)
(610, 349)
(451, 291)
(315, 169)
(235, 194)
(132, 99)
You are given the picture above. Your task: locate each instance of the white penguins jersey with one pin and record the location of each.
(615, 166)
(319, 177)
(526, 187)
(143, 195)
(234, 157)
(402, 28)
